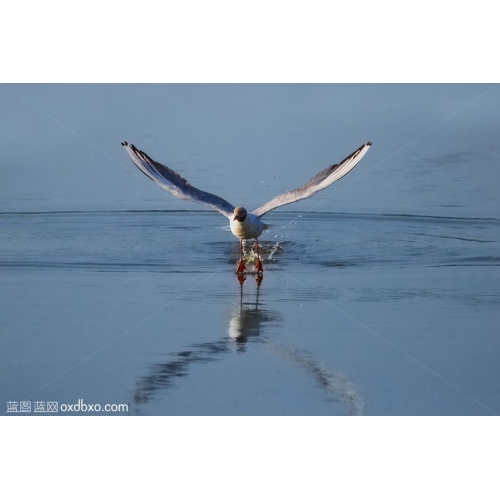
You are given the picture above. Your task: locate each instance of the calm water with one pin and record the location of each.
(380, 296)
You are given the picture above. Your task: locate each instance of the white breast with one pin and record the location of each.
(250, 228)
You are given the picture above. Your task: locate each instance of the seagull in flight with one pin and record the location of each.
(244, 225)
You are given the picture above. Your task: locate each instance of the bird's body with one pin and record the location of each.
(251, 227)
(244, 225)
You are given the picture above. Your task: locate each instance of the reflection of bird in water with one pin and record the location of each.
(244, 224)
(247, 323)
(336, 384)
(163, 375)
(249, 320)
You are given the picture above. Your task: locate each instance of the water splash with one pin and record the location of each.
(273, 249)
(250, 251)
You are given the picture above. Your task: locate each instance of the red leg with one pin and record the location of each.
(241, 265)
(260, 269)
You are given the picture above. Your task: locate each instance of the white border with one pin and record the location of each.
(262, 41)
(223, 457)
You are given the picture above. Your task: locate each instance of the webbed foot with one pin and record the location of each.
(259, 267)
(241, 267)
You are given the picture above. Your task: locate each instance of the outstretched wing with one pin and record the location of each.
(317, 183)
(173, 182)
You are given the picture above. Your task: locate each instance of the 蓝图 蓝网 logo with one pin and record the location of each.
(55, 407)
(38, 407)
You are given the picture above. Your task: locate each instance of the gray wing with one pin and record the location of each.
(173, 182)
(317, 183)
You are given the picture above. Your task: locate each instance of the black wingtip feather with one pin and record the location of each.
(124, 143)
(368, 143)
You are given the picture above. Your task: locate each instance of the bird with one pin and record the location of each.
(244, 224)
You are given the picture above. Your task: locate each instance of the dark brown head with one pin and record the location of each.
(240, 214)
